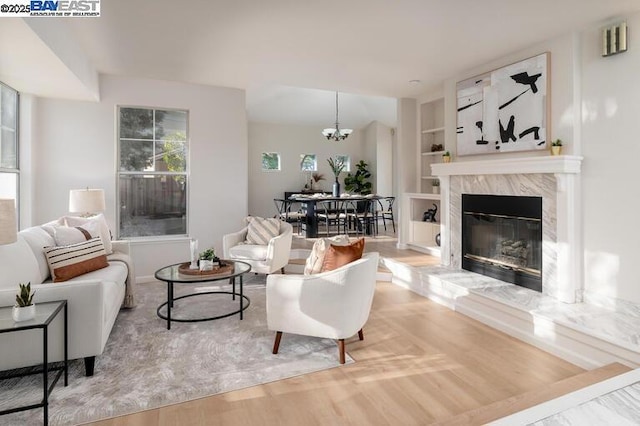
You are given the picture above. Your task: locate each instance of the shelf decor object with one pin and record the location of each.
(505, 110)
(336, 134)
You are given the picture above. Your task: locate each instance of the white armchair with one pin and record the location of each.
(264, 259)
(334, 304)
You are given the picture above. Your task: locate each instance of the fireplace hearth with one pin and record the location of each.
(502, 238)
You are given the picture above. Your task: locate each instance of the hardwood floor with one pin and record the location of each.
(419, 363)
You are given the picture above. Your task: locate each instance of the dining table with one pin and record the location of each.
(310, 202)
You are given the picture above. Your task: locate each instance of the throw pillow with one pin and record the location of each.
(315, 259)
(337, 256)
(66, 262)
(102, 222)
(65, 235)
(260, 231)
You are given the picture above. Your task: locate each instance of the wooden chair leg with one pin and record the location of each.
(276, 344)
(282, 270)
(360, 335)
(341, 350)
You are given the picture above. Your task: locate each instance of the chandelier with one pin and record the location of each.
(336, 134)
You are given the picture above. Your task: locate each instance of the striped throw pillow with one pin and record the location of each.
(66, 262)
(260, 231)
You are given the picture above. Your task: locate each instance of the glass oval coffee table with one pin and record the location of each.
(172, 275)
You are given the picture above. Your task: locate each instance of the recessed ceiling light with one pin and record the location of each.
(414, 82)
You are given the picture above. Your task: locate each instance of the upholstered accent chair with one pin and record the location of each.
(263, 258)
(333, 304)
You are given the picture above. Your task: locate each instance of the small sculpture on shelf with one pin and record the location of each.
(430, 215)
(437, 147)
(556, 147)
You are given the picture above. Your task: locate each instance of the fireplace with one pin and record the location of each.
(502, 238)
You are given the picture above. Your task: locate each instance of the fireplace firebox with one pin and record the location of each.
(502, 238)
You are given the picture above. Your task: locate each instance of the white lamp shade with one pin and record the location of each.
(86, 200)
(8, 225)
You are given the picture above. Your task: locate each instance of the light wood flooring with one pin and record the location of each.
(419, 363)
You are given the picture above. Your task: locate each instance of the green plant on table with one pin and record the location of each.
(446, 154)
(557, 142)
(25, 296)
(208, 254)
(435, 182)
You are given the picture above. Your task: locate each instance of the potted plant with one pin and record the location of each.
(337, 166)
(24, 308)
(556, 147)
(446, 157)
(315, 178)
(358, 182)
(435, 186)
(208, 260)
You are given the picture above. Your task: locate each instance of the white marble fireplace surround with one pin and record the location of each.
(556, 320)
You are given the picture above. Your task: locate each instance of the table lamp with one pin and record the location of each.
(86, 201)
(8, 224)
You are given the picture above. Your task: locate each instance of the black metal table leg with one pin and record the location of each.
(233, 291)
(241, 297)
(66, 348)
(169, 303)
(45, 375)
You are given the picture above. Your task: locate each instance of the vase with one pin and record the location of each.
(555, 150)
(436, 189)
(24, 313)
(336, 188)
(446, 158)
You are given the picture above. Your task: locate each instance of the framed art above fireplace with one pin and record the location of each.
(505, 110)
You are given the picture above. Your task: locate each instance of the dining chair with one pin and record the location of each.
(285, 214)
(362, 214)
(332, 214)
(386, 211)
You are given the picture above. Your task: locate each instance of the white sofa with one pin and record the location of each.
(93, 302)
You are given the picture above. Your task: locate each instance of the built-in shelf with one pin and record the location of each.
(433, 153)
(435, 130)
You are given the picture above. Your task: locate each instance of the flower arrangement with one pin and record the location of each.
(317, 177)
(337, 166)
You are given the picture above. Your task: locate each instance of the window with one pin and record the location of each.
(308, 163)
(152, 172)
(270, 161)
(346, 160)
(9, 164)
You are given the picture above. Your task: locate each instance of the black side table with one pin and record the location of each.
(45, 313)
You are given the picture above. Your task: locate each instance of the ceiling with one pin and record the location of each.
(362, 47)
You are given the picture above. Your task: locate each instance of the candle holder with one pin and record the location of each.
(193, 245)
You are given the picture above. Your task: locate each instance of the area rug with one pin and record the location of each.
(145, 366)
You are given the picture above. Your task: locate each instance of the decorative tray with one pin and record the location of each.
(222, 269)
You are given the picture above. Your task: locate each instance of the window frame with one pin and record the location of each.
(279, 169)
(186, 173)
(14, 171)
(315, 163)
(347, 168)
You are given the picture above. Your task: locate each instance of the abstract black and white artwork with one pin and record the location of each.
(504, 110)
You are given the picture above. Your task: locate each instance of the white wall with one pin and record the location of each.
(76, 147)
(611, 148)
(291, 141)
(379, 155)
